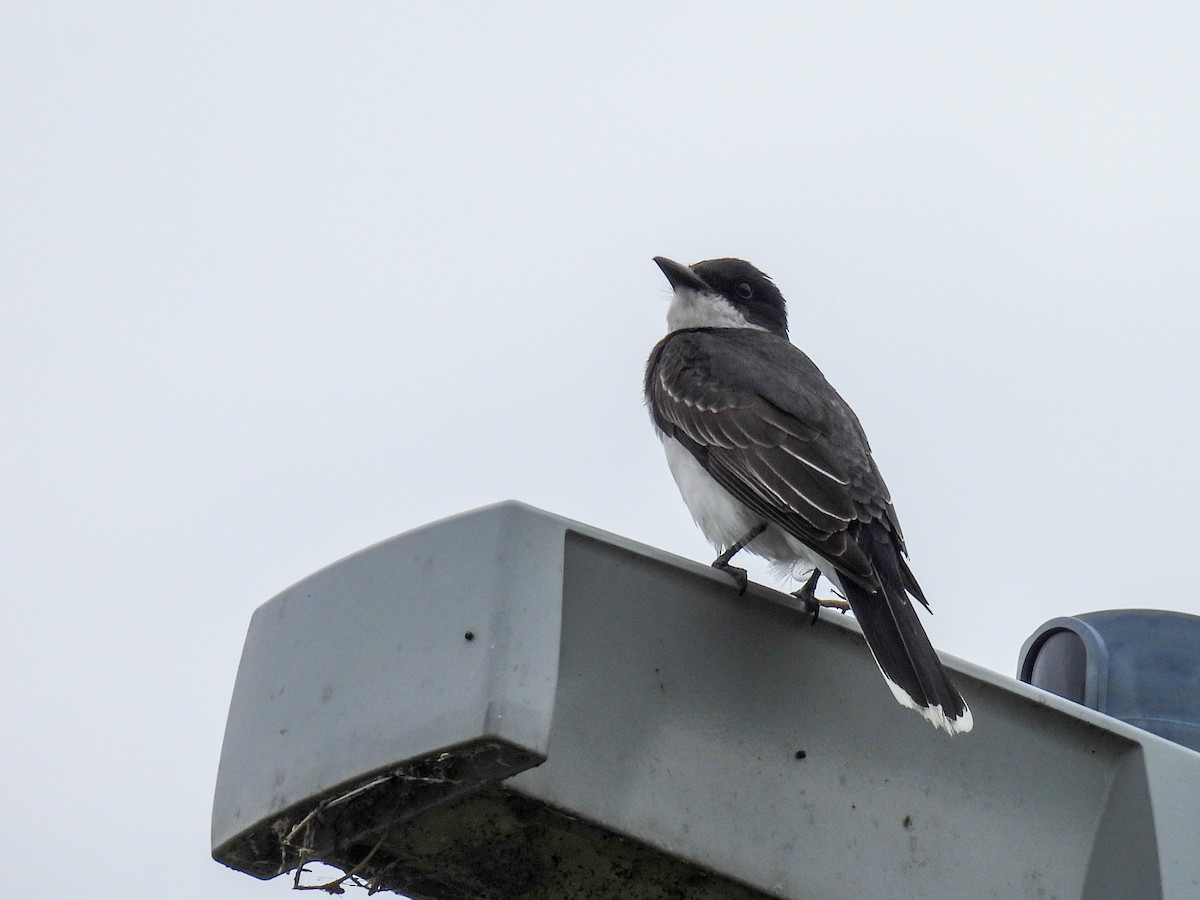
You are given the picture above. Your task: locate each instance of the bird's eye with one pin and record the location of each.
(744, 290)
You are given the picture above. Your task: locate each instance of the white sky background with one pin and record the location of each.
(280, 281)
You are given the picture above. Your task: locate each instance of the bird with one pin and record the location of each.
(770, 459)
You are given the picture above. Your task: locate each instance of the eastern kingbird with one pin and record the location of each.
(769, 458)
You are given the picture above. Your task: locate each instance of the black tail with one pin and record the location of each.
(894, 633)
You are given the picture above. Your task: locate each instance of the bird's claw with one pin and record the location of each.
(722, 561)
(739, 575)
(807, 595)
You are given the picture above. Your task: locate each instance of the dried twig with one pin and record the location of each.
(298, 839)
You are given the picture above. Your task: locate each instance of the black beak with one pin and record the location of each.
(680, 275)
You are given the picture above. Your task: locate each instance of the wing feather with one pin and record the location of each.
(798, 458)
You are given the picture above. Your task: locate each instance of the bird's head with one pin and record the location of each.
(723, 293)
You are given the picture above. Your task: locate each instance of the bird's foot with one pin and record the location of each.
(808, 596)
(722, 561)
(739, 575)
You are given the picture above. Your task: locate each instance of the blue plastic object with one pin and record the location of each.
(1141, 666)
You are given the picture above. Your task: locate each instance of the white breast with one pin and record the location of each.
(725, 520)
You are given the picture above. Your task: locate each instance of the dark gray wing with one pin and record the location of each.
(760, 417)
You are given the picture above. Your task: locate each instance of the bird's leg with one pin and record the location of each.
(722, 561)
(808, 596)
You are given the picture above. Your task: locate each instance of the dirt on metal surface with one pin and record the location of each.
(496, 843)
(446, 828)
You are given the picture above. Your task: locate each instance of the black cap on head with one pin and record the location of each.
(750, 291)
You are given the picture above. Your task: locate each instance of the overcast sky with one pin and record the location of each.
(281, 280)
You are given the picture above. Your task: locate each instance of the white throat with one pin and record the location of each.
(704, 309)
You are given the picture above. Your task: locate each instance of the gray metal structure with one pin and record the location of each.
(511, 704)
